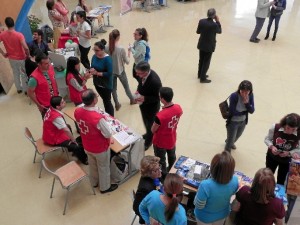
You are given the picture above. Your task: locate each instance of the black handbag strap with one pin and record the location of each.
(227, 98)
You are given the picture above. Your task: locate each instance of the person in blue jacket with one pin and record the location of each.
(276, 12)
(241, 103)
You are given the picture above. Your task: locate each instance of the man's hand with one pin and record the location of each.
(217, 18)
(284, 154)
(274, 150)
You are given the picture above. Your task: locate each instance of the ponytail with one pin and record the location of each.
(112, 40)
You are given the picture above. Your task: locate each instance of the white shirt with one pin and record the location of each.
(82, 28)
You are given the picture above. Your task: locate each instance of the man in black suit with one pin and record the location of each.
(207, 28)
(148, 97)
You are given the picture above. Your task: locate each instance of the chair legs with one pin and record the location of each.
(40, 174)
(66, 202)
(133, 219)
(34, 156)
(52, 188)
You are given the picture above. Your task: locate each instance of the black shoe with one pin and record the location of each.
(19, 91)
(25, 92)
(266, 37)
(95, 186)
(257, 39)
(254, 41)
(273, 38)
(112, 188)
(144, 136)
(205, 81)
(147, 146)
(205, 76)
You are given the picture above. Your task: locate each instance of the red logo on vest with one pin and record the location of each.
(83, 127)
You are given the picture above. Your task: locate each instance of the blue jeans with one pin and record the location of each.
(234, 131)
(277, 19)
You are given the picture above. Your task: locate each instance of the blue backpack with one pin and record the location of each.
(147, 54)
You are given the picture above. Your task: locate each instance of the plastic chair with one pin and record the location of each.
(68, 175)
(133, 197)
(41, 148)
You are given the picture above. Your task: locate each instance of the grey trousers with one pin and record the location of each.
(234, 131)
(258, 27)
(20, 77)
(99, 167)
(124, 82)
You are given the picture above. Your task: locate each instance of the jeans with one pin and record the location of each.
(277, 19)
(123, 79)
(203, 65)
(84, 56)
(234, 131)
(283, 168)
(106, 98)
(161, 153)
(258, 27)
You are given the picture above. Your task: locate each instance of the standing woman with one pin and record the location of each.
(212, 201)
(61, 7)
(283, 141)
(57, 22)
(81, 6)
(119, 58)
(75, 81)
(276, 12)
(165, 208)
(139, 48)
(84, 34)
(102, 71)
(241, 103)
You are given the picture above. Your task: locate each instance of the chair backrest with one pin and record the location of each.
(47, 169)
(29, 136)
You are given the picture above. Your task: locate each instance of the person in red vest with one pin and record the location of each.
(42, 84)
(164, 129)
(57, 132)
(95, 133)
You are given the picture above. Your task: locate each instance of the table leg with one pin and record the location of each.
(291, 202)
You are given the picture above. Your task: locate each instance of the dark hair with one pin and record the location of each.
(112, 40)
(50, 4)
(143, 32)
(166, 93)
(263, 185)
(173, 187)
(71, 63)
(101, 44)
(55, 101)
(81, 14)
(88, 96)
(222, 167)
(245, 85)
(9, 22)
(39, 32)
(82, 5)
(142, 66)
(40, 56)
(211, 13)
(291, 120)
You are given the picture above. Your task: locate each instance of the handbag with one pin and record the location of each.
(224, 108)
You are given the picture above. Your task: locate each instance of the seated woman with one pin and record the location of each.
(258, 204)
(165, 208)
(149, 181)
(212, 201)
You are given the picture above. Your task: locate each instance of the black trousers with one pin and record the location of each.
(134, 73)
(161, 153)
(283, 168)
(84, 56)
(75, 149)
(149, 112)
(203, 65)
(106, 98)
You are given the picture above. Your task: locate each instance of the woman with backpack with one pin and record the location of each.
(140, 49)
(119, 58)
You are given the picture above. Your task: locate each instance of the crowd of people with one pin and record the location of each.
(159, 193)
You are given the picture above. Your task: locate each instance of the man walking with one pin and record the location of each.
(207, 28)
(95, 133)
(164, 129)
(148, 97)
(16, 51)
(57, 132)
(42, 84)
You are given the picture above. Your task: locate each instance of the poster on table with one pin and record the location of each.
(293, 179)
(126, 6)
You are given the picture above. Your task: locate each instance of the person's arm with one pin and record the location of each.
(250, 104)
(32, 83)
(262, 4)
(87, 31)
(233, 100)
(105, 128)
(56, 15)
(155, 125)
(144, 210)
(200, 198)
(154, 92)
(140, 49)
(281, 8)
(60, 124)
(218, 27)
(5, 55)
(108, 66)
(25, 47)
(199, 28)
(76, 85)
(61, 9)
(125, 57)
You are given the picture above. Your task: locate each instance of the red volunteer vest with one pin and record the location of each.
(42, 90)
(92, 139)
(165, 136)
(75, 95)
(52, 135)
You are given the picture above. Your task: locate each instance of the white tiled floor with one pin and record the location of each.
(271, 66)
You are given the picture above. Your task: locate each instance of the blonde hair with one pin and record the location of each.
(148, 164)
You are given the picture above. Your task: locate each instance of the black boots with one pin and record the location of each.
(273, 38)
(267, 36)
